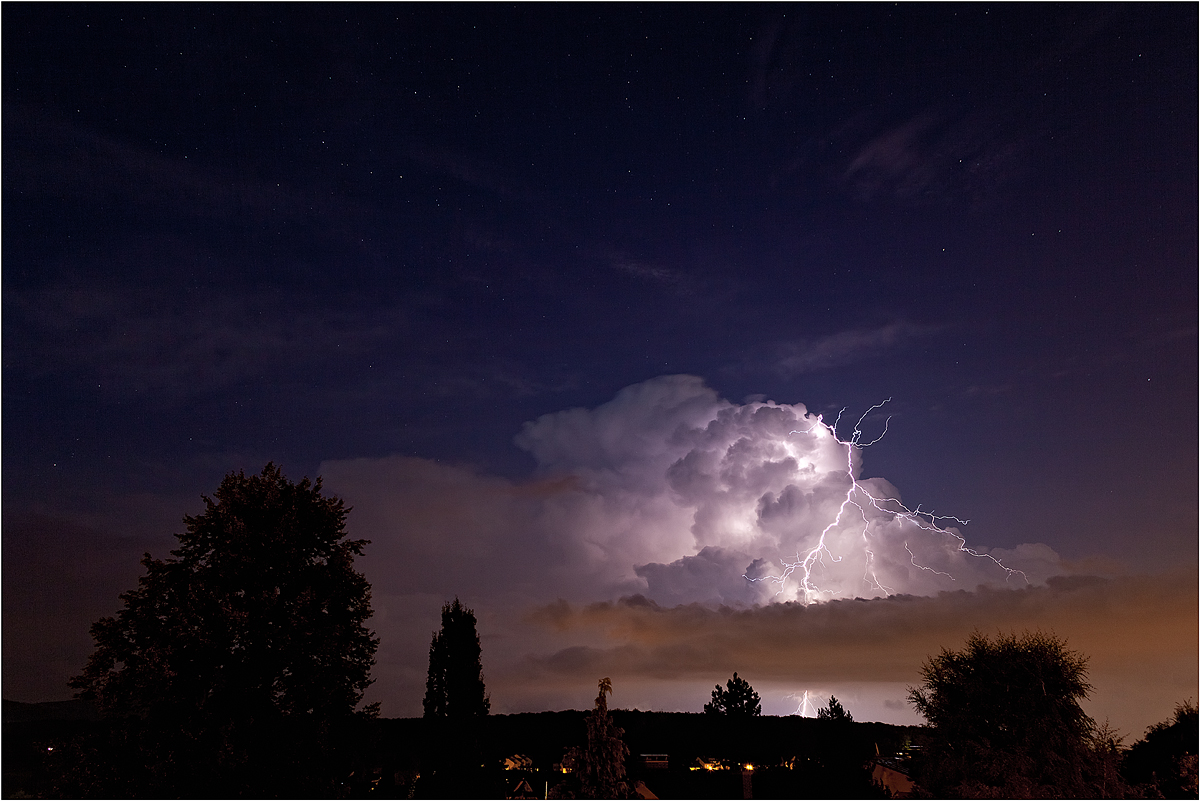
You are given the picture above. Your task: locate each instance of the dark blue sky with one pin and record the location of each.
(241, 233)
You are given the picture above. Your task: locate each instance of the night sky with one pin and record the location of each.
(545, 292)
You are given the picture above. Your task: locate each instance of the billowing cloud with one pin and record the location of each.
(672, 499)
(744, 524)
(685, 497)
(670, 492)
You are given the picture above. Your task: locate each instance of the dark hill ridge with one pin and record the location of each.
(543, 736)
(826, 758)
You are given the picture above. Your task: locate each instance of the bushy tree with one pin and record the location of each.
(253, 630)
(454, 687)
(738, 699)
(1005, 721)
(834, 711)
(1164, 761)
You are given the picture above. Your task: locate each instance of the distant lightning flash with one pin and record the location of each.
(806, 708)
(858, 497)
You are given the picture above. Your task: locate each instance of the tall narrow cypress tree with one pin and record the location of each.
(454, 687)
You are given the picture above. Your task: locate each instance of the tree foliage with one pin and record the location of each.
(738, 699)
(834, 711)
(602, 762)
(456, 705)
(255, 624)
(1164, 761)
(454, 687)
(1006, 721)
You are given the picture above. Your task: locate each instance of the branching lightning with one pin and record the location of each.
(858, 497)
(913, 558)
(805, 708)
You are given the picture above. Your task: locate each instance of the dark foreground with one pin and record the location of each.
(689, 755)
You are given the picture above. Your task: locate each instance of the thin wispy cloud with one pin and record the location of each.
(939, 156)
(809, 355)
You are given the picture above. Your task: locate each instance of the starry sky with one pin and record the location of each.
(552, 296)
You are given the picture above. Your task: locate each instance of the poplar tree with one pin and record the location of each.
(454, 687)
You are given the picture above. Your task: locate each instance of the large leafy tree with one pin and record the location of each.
(253, 628)
(1005, 721)
(454, 687)
(738, 699)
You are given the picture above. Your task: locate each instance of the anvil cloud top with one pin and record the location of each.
(565, 300)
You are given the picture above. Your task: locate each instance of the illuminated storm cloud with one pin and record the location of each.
(710, 501)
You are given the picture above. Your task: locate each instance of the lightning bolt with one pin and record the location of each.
(857, 496)
(913, 559)
(806, 708)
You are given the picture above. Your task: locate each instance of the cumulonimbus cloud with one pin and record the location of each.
(673, 493)
(675, 499)
(700, 499)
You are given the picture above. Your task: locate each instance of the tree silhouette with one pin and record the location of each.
(454, 687)
(602, 762)
(1006, 721)
(1164, 761)
(738, 699)
(250, 633)
(834, 711)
